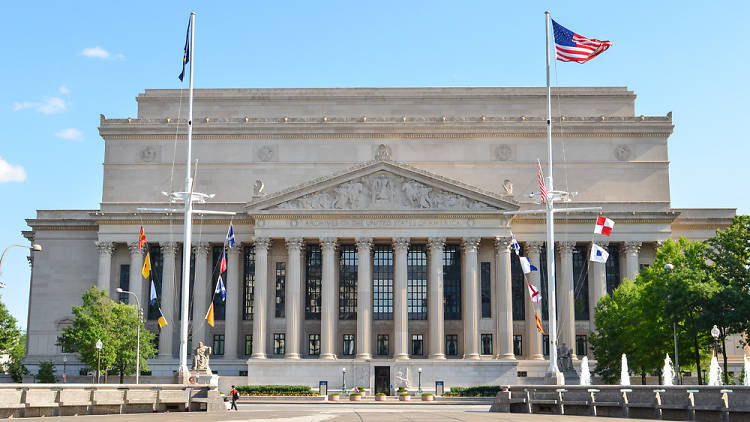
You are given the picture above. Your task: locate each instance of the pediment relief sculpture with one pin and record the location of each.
(383, 190)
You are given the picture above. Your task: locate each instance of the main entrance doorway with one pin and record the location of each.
(382, 380)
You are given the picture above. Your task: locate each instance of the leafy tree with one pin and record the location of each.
(99, 318)
(46, 372)
(15, 368)
(13, 343)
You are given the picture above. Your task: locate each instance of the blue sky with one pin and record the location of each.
(64, 63)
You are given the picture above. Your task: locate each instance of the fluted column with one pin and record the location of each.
(631, 259)
(234, 298)
(293, 307)
(598, 280)
(104, 249)
(435, 302)
(532, 339)
(471, 298)
(364, 298)
(566, 320)
(168, 253)
(260, 297)
(504, 298)
(328, 298)
(136, 278)
(200, 293)
(400, 316)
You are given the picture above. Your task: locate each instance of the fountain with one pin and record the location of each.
(624, 373)
(668, 371)
(747, 371)
(714, 372)
(586, 373)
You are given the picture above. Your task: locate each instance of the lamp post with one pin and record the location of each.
(34, 247)
(715, 334)
(419, 387)
(343, 380)
(98, 358)
(138, 335)
(65, 369)
(670, 267)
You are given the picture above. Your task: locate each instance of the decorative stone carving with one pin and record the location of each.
(383, 153)
(262, 243)
(508, 187)
(632, 247)
(623, 152)
(201, 249)
(471, 244)
(503, 152)
(436, 243)
(265, 153)
(169, 248)
(149, 154)
(534, 247)
(565, 358)
(328, 243)
(134, 249)
(201, 358)
(105, 248)
(364, 244)
(294, 243)
(257, 188)
(565, 247)
(502, 244)
(384, 190)
(401, 244)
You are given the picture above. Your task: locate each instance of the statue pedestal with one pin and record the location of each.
(205, 378)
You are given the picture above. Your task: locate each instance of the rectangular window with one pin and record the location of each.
(249, 344)
(452, 282)
(545, 345)
(383, 344)
(484, 276)
(218, 344)
(451, 345)
(486, 344)
(124, 282)
(581, 345)
(382, 282)
(416, 288)
(348, 349)
(417, 344)
(613, 268)
(313, 344)
(581, 282)
(219, 304)
(518, 287)
(517, 345)
(280, 289)
(249, 282)
(157, 269)
(313, 273)
(279, 343)
(348, 261)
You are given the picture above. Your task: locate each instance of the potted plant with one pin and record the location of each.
(355, 397)
(404, 396)
(427, 397)
(380, 397)
(362, 391)
(333, 397)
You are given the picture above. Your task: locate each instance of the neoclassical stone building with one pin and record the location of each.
(370, 228)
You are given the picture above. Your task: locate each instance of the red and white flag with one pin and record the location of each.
(534, 294)
(604, 226)
(542, 188)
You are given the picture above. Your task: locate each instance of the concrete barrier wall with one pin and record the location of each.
(26, 400)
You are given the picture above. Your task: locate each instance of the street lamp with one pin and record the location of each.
(715, 334)
(343, 380)
(419, 388)
(34, 247)
(670, 267)
(65, 367)
(138, 335)
(98, 358)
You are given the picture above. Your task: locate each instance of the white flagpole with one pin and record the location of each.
(186, 245)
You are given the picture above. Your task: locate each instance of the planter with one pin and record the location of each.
(405, 397)
(355, 398)
(333, 397)
(427, 397)
(380, 398)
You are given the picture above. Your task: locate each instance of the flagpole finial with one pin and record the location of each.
(546, 12)
(193, 13)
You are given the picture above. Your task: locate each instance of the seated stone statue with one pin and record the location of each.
(565, 358)
(200, 358)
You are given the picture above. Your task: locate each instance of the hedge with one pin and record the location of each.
(275, 390)
(479, 391)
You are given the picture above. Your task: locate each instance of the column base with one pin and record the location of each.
(364, 356)
(328, 356)
(554, 378)
(473, 356)
(536, 357)
(291, 356)
(165, 356)
(401, 356)
(507, 356)
(229, 357)
(258, 356)
(438, 356)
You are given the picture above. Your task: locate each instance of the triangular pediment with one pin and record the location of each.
(383, 186)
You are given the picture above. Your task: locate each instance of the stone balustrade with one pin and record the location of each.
(26, 400)
(691, 402)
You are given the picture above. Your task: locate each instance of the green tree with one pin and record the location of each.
(46, 372)
(99, 318)
(15, 368)
(13, 343)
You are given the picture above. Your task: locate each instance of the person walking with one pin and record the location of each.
(235, 397)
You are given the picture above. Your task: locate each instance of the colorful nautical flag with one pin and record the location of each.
(141, 239)
(572, 47)
(526, 265)
(598, 254)
(186, 57)
(230, 236)
(516, 247)
(604, 226)
(542, 187)
(220, 290)
(162, 321)
(210, 315)
(534, 294)
(152, 297)
(538, 323)
(146, 270)
(223, 262)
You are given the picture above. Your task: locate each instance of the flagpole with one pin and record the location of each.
(186, 245)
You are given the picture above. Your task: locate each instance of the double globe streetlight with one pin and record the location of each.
(34, 247)
(138, 334)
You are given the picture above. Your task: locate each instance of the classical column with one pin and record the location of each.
(631, 259)
(136, 277)
(168, 253)
(260, 297)
(293, 298)
(234, 289)
(328, 298)
(471, 298)
(104, 249)
(400, 316)
(532, 339)
(598, 280)
(200, 293)
(364, 297)
(504, 298)
(566, 320)
(435, 302)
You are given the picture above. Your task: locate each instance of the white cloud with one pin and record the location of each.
(50, 105)
(11, 173)
(100, 53)
(64, 90)
(71, 134)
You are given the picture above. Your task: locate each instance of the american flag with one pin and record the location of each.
(542, 188)
(571, 47)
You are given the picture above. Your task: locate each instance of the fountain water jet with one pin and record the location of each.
(624, 373)
(586, 373)
(714, 372)
(668, 371)
(746, 381)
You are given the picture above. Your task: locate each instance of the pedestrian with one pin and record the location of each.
(235, 397)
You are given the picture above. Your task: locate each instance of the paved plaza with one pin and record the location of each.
(340, 412)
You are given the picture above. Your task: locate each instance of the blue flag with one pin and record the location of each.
(186, 57)
(152, 298)
(230, 236)
(220, 290)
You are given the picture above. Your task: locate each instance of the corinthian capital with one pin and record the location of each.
(471, 244)
(566, 247)
(105, 248)
(134, 249)
(364, 244)
(436, 244)
(328, 244)
(262, 243)
(502, 244)
(401, 244)
(201, 248)
(632, 247)
(294, 243)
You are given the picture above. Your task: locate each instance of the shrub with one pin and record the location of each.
(355, 394)
(276, 390)
(380, 394)
(401, 389)
(426, 394)
(46, 374)
(403, 393)
(478, 391)
(334, 394)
